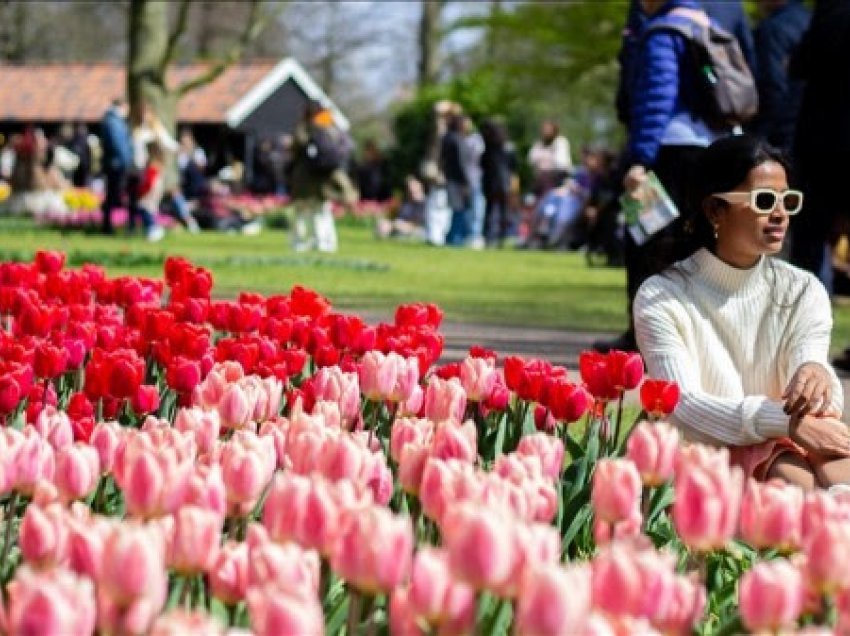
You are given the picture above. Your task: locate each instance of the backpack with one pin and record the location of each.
(322, 151)
(727, 89)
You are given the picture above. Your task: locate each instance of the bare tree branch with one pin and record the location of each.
(253, 27)
(176, 34)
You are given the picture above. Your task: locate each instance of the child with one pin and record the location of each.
(150, 191)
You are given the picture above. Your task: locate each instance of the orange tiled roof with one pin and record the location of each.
(81, 92)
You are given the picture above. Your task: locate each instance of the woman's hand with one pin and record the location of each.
(810, 388)
(634, 178)
(823, 436)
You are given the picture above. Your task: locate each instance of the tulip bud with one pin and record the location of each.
(652, 448)
(554, 600)
(616, 490)
(771, 596)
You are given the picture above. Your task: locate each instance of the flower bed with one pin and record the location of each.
(173, 464)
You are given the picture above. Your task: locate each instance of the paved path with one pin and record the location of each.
(556, 345)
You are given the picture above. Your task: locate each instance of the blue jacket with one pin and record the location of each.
(777, 37)
(115, 138)
(729, 14)
(664, 84)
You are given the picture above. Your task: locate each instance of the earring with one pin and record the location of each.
(716, 229)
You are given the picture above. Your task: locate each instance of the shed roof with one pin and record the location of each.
(81, 92)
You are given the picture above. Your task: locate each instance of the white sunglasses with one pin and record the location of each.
(764, 200)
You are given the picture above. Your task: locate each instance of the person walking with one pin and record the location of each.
(458, 182)
(318, 180)
(473, 147)
(777, 36)
(498, 164)
(116, 160)
(667, 132)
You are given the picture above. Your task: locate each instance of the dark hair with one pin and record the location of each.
(722, 167)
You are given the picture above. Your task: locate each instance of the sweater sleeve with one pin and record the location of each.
(726, 421)
(656, 93)
(809, 336)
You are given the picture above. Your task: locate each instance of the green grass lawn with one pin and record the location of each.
(510, 287)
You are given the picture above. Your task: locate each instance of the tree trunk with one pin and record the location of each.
(429, 41)
(493, 31)
(146, 85)
(205, 30)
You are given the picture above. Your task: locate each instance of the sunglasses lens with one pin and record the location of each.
(792, 201)
(765, 201)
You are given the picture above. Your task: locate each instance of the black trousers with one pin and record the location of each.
(496, 208)
(673, 167)
(115, 184)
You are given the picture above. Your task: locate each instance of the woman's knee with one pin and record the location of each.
(794, 470)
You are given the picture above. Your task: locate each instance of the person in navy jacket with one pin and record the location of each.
(117, 158)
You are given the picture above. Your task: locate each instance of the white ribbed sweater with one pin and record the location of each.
(733, 338)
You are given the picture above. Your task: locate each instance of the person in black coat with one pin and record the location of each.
(822, 138)
(498, 163)
(458, 185)
(777, 37)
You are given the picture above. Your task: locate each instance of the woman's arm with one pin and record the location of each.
(809, 337)
(728, 421)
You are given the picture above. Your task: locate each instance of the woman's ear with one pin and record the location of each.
(712, 207)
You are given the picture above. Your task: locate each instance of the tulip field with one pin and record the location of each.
(174, 464)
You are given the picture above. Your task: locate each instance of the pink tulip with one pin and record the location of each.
(335, 385)
(342, 457)
(35, 460)
(653, 448)
(48, 602)
(548, 448)
(106, 438)
(208, 393)
(304, 510)
(479, 543)
(388, 377)
(268, 406)
(329, 413)
(605, 532)
(820, 507)
(193, 540)
(204, 425)
(154, 482)
(455, 441)
(403, 620)
(445, 400)
(616, 490)
(286, 567)
(247, 464)
(477, 376)
(827, 549)
(278, 430)
(54, 426)
(184, 623)
(632, 582)
(77, 471)
(87, 534)
(707, 505)
(10, 442)
(553, 600)
(772, 515)
(706, 457)
(43, 535)
(534, 544)
(444, 482)
(435, 595)
(407, 431)
(412, 406)
(133, 565)
(235, 408)
(411, 467)
(684, 609)
(206, 490)
(275, 613)
(771, 596)
(374, 549)
(228, 575)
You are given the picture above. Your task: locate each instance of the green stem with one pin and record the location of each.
(617, 425)
(7, 537)
(355, 607)
(185, 593)
(645, 504)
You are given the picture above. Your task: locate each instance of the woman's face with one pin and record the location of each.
(743, 235)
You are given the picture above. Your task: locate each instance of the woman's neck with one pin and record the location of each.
(736, 259)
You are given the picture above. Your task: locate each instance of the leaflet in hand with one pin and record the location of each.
(648, 209)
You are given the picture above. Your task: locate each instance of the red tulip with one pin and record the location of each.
(48, 262)
(124, 376)
(566, 401)
(625, 370)
(49, 361)
(146, 399)
(183, 375)
(594, 370)
(659, 397)
(10, 394)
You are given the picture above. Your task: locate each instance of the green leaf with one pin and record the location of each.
(662, 497)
